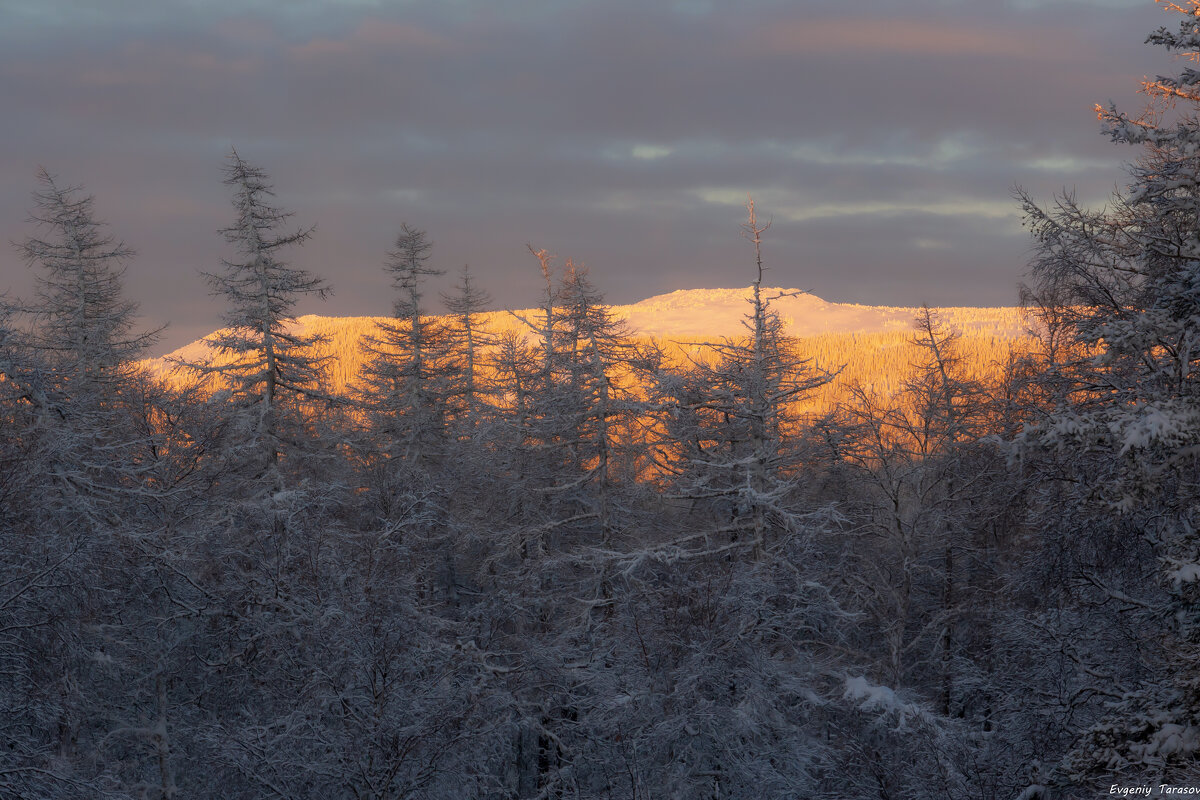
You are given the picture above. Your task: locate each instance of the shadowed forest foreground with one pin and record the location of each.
(560, 562)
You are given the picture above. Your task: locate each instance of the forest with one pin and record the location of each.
(559, 561)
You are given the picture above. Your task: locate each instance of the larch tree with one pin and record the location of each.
(538, 423)
(594, 345)
(728, 416)
(83, 325)
(470, 337)
(409, 370)
(578, 404)
(71, 403)
(270, 365)
(81, 345)
(270, 503)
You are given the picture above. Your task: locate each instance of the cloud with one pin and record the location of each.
(874, 38)
(621, 132)
(925, 243)
(650, 152)
(371, 34)
(797, 208)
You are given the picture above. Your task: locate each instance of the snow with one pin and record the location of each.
(708, 314)
(1154, 425)
(1170, 739)
(880, 698)
(1184, 573)
(693, 313)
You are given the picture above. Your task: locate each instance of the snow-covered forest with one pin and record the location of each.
(556, 561)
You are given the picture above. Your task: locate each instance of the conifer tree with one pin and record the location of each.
(83, 325)
(76, 362)
(71, 399)
(728, 416)
(469, 339)
(578, 404)
(271, 367)
(409, 372)
(1120, 503)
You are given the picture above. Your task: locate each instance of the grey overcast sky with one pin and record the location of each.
(884, 138)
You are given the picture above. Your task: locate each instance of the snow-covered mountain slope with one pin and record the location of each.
(707, 314)
(868, 344)
(712, 314)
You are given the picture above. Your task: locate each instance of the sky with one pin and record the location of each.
(883, 140)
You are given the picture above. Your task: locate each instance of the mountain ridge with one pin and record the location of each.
(715, 314)
(870, 346)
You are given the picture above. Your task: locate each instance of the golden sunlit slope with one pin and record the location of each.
(869, 343)
(706, 314)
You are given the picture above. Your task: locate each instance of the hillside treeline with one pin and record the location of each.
(882, 360)
(499, 571)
